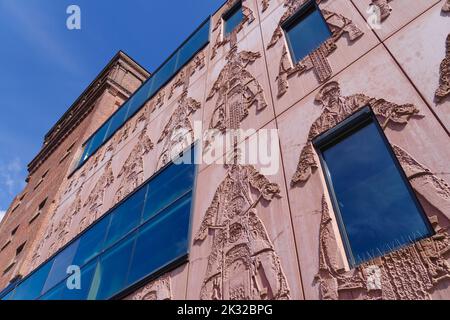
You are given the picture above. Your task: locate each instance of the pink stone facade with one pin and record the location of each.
(400, 69)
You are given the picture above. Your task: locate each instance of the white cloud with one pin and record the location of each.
(2, 214)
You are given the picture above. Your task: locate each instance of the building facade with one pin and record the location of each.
(358, 205)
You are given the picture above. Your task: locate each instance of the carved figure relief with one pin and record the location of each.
(384, 7)
(410, 273)
(237, 90)
(223, 39)
(178, 133)
(443, 90)
(318, 59)
(265, 5)
(243, 263)
(132, 173)
(96, 197)
(160, 289)
(183, 77)
(337, 108)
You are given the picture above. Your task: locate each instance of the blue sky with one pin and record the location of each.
(45, 66)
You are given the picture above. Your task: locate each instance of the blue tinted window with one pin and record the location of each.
(112, 270)
(233, 18)
(139, 98)
(92, 242)
(379, 212)
(193, 45)
(87, 274)
(86, 152)
(165, 73)
(117, 120)
(307, 32)
(55, 293)
(169, 185)
(126, 217)
(162, 240)
(99, 137)
(59, 268)
(31, 288)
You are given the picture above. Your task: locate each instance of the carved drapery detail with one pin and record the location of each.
(336, 109)
(160, 289)
(231, 38)
(384, 7)
(237, 90)
(443, 90)
(132, 173)
(242, 263)
(96, 197)
(178, 133)
(318, 59)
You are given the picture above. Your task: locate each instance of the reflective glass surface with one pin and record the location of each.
(377, 208)
(162, 240)
(233, 19)
(307, 32)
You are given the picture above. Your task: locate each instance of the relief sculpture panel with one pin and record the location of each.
(409, 273)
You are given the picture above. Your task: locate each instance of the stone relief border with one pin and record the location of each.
(159, 289)
(392, 276)
(443, 90)
(318, 59)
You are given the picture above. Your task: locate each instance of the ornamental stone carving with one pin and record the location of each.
(384, 7)
(159, 289)
(337, 108)
(96, 197)
(222, 39)
(183, 77)
(443, 90)
(446, 6)
(411, 273)
(236, 90)
(242, 263)
(178, 133)
(132, 173)
(318, 59)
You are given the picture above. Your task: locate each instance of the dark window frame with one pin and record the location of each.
(228, 14)
(296, 18)
(340, 132)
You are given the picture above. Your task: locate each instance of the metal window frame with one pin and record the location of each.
(296, 18)
(346, 128)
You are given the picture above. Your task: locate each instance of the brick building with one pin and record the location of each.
(357, 208)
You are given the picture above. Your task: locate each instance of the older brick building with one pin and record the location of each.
(359, 207)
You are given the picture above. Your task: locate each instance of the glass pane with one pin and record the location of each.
(117, 120)
(378, 211)
(111, 272)
(91, 242)
(139, 98)
(169, 185)
(59, 268)
(307, 33)
(126, 217)
(87, 274)
(55, 293)
(99, 137)
(162, 240)
(31, 288)
(233, 19)
(86, 151)
(194, 44)
(164, 74)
